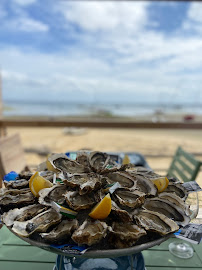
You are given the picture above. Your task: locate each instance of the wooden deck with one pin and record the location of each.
(16, 254)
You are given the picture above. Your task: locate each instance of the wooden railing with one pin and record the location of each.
(97, 123)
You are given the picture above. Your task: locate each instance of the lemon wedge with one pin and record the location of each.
(37, 183)
(161, 183)
(126, 160)
(102, 209)
(49, 165)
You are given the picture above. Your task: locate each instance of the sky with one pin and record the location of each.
(101, 51)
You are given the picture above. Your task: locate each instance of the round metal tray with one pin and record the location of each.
(107, 253)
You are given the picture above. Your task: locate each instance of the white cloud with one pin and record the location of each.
(193, 21)
(195, 12)
(114, 57)
(95, 16)
(26, 24)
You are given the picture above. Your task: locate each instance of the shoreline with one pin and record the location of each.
(174, 117)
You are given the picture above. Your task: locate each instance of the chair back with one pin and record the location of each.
(184, 166)
(11, 155)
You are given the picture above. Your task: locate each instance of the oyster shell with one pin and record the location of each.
(82, 158)
(77, 201)
(154, 221)
(119, 214)
(90, 232)
(62, 232)
(48, 175)
(10, 197)
(123, 178)
(22, 214)
(17, 184)
(86, 182)
(39, 223)
(98, 160)
(61, 162)
(173, 198)
(123, 235)
(144, 185)
(54, 193)
(167, 208)
(178, 189)
(129, 198)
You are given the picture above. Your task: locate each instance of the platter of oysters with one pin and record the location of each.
(93, 202)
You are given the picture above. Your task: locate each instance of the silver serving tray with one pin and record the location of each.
(107, 253)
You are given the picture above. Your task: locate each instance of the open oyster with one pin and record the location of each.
(123, 178)
(17, 184)
(77, 201)
(22, 214)
(10, 197)
(39, 223)
(61, 232)
(90, 232)
(143, 184)
(173, 198)
(154, 221)
(61, 162)
(86, 182)
(178, 189)
(98, 160)
(124, 235)
(167, 208)
(54, 193)
(82, 158)
(118, 214)
(129, 198)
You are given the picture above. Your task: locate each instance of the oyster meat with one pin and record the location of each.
(129, 198)
(173, 198)
(77, 201)
(61, 232)
(153, 221)
(82, 158)
(119, 214)
(54, 193)
(124, 235)
(86, 182)
(178, 189)
(39, 223)
(10, 197)
(123, 178)
(98, 160)
(145, 185)
(62, 163)
(90, 232)
(167, 208)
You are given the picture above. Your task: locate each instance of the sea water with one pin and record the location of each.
(27, 108)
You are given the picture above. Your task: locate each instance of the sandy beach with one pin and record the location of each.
(147, 142)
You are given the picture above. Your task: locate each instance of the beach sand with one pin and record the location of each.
(146, 141)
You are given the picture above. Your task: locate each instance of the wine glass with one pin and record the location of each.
(182, 249)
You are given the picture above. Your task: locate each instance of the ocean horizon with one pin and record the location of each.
(64, 108)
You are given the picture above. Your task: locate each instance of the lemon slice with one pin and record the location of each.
(126, 160)
(50, 166)
(102, 209)
(161, 183)
(37, 183)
